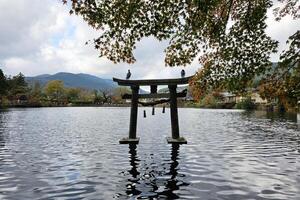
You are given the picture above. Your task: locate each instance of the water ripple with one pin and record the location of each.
(73, 153)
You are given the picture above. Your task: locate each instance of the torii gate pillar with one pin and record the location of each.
(174, 112)
(133, 118)
(174, 117)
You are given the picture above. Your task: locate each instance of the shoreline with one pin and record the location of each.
(128, 105)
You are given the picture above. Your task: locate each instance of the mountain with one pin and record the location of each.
(85, 81)
(178, 89)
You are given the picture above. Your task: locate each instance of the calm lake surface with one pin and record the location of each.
(73, 153)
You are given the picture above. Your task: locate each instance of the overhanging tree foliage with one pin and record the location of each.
(227, 36)
(284, 82)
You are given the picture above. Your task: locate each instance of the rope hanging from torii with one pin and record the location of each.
(153, 103)
(164, 96)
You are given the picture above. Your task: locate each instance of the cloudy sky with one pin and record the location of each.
(40, 37)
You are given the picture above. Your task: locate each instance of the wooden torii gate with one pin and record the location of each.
(171, 97)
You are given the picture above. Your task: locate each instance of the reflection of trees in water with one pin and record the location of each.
(270, 127)
(273, 116)
(2, 140)
(148, 185)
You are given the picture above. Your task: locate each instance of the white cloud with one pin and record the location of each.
(41, 37)
(280, 31)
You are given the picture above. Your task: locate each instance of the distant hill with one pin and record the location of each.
(179, 89)
(258, 78)
(85, 81)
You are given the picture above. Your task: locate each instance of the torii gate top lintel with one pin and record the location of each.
(144, 82)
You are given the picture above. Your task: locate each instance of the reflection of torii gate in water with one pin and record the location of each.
(170, 184)
(171, 96)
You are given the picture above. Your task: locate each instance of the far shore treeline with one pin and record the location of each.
(16, 92)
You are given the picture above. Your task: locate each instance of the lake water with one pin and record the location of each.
(73, 153)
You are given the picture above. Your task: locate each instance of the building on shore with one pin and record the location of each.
(228, 97)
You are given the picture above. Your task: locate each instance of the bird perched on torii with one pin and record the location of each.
(128, 74)
(182, 73)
